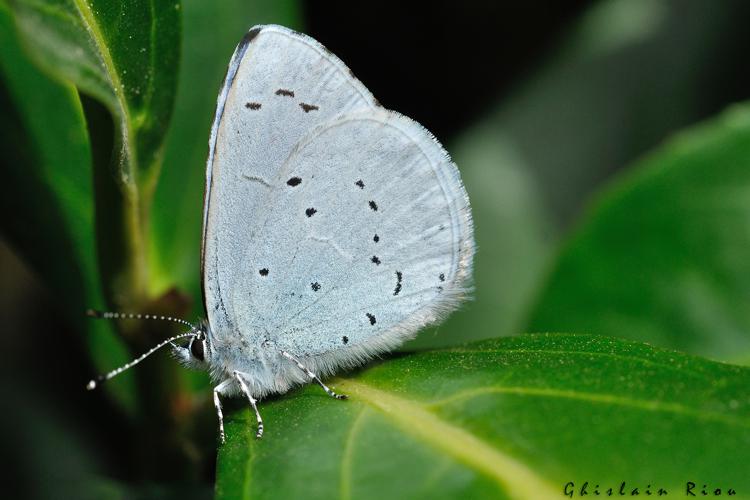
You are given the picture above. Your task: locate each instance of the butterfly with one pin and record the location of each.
(333, 229)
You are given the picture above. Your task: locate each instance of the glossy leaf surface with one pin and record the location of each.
(512, 418)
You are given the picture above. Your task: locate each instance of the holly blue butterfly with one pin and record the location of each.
(333, 229)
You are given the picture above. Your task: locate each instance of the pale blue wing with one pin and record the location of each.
(280, 84)
(366, 237)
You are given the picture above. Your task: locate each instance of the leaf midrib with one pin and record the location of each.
(89, 22)
(592, 397)
(345, 484)
(514, 477)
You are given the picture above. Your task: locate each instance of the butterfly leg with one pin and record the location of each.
(218, 391)
(253, 402)
(313, 376)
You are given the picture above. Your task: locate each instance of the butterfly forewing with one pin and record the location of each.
(279, 85)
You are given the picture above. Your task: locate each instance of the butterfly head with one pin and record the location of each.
(197, 352)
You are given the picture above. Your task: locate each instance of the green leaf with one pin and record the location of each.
(124, 55)
(511, 418)
(663, 253)
(48, 158)
(53, 165)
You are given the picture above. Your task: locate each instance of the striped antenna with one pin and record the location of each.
(118, 315)
(101, 378)
(92, 313)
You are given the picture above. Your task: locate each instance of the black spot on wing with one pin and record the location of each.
(252, 105)
(371, 318)
(373, 206)
(310, 211)
(263, 272)
(360, 184)
(315, 286)
(345, 339)
(442, 277)
(294, 181)
(308, 107)
(399, 277)
(375, 260)
(376, 238)
(285, 92)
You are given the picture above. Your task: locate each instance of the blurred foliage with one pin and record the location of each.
(47, 158)
(628, 73)
(106, 111)
(510, 418)
(685, 283)
(127, 61)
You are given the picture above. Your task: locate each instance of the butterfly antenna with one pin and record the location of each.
(92, 313)
(101, 378)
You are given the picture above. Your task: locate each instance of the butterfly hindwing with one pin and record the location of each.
(367, 238)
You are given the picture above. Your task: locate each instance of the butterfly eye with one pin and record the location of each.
(197, 349)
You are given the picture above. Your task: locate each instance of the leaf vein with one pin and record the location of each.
(345, 487)
(643, 404)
